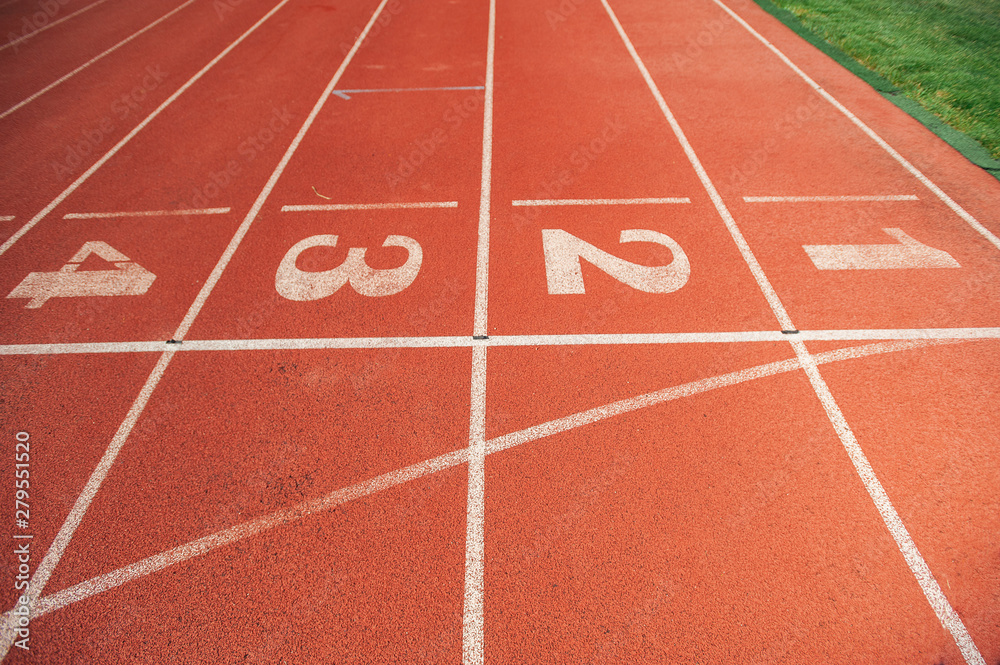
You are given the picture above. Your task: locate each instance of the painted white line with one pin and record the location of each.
(138, 128)
(44, 570)
(823, 199)
(204, 545)
(300, 511)
(959, 210)
(368, 206)
(234, 244)
(24, 38)
(146, 213)
(758, 273)
(92, 61)
(7, 218)
(84, 348)
(485, 191)
(472, 619)
(918, 566)
(345, 94)
(597, 202)
(210, 345)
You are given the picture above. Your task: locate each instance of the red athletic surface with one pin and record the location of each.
(726, 526)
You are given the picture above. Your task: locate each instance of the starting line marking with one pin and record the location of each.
(809, 199)
(345, 94)
(597, 202)
(146, 213)
(206, 544)
(303, 344)
(367, 206)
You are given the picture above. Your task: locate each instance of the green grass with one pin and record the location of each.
(945, 54)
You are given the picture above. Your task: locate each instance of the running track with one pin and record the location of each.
(757, 423)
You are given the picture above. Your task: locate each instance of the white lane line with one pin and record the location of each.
(138, 128)
(146, 213)
(918, 566)
(24, 38)
(368, 206)
(210, 345)
(208, 543)
(345, 94)
(79, 69)
(234, 244)
(472, 613)
(823, 199)
(597, 202)
(483, 248)
(211, 542)
(758, 273)
(52, 556)
(7, 218)
(959, 210)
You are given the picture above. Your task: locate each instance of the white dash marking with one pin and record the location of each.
(823, 199)
(92, 61)
(918, 566)
(597, 202)
(367, 206)
(7, 218)
(146, 213)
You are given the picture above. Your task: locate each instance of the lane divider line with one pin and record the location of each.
(822, 199)
(146, 213)
(345, 94)
(138, 128)
(485, 190)
(206, 544)
(24, 38)
(918, 566)
(367, 206)
(472, 612)
(947, 200)
(741, 243)
(8, 631)
(323, 343)
(597, 202)
(472, 600)
(79, 69)
(244, 227)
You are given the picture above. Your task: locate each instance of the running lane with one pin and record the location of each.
(369, 412)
